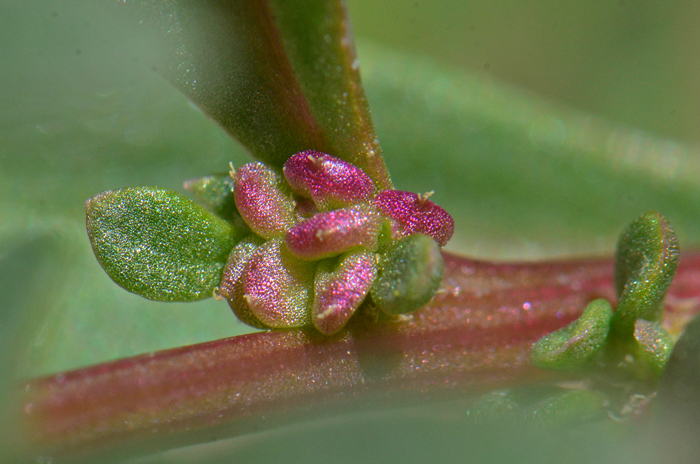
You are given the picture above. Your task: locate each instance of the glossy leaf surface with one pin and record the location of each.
(75, 124)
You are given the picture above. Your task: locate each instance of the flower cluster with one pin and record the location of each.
(323, 239)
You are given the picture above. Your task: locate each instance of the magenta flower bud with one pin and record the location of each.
(262, 200)
(341, 286)
(415, 214)
(231, 286)
(277, 287)
(329, 181)
(333, 232)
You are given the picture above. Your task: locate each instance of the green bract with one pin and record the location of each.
(410, 272)
(576, 343)
(159, 244)
(654, 344)
(215, 192)
(645, 263)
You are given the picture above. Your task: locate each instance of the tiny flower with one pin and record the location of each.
(231, 286)
(341, 286)
(331, 233)
(277, 287)
(262, 201)
(329, 181)
(415, 214)
(314, 258)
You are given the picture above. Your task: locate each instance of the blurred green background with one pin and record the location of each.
(527, 173)
(633, 61)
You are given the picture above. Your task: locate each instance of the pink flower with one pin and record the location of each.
(322, 240)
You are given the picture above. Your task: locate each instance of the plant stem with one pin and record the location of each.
(474, 336)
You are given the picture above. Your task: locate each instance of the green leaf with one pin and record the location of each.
(409, 273)
(281, 76)
(577, 343)
(654, 344)
(646, 260)
(214, 192)
(159, 244)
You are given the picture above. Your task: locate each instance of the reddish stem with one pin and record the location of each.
(474, 336)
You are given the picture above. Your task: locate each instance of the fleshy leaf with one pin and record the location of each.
(654, 343)
(340, 287)
(159, 244)
(231, 286)
(331, 233)
(578, 342)
(415, 214)
(277, 287)
(329, 181)
(646, 259)
(409, 273)
(262, 200)
(281, 76)
(215, 192)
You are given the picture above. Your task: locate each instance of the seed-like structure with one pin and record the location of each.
(231, 286)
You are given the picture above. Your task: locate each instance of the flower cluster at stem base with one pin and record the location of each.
(323, 238)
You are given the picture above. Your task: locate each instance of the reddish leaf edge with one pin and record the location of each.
(474, 336)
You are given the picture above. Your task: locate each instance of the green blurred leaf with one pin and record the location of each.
(522, 177)
(569, 408)
(281, 76)
(159, 244)
(215, 192)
